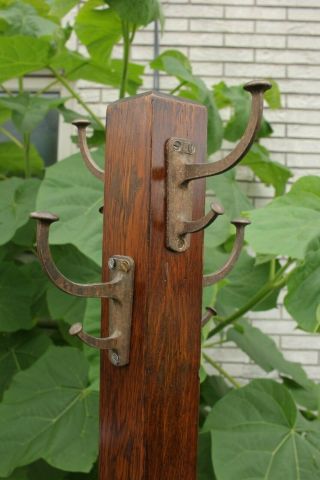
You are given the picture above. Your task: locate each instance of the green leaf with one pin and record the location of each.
(229, 193)
(76, 196)
(17, 200)
(138, 12)
(269, 172)
(20, 55)
(174, 63)
(99, 29)
(12, 160)
(245, 281)
(205, 468)
(75, 266)
(264, 352)
(273, 96)
(257, 434)
(288, 224)
(59, 8)
(303, 298)
(23, 19)
(16, 296)
(212, 390)
(29, 110)
(18, 352)
(50, 412)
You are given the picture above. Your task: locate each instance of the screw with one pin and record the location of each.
(181, 243)
(177, 145)
(115, 359)
(191, 148)
(112, 263)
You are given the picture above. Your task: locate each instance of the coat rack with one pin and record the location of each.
(151, 289)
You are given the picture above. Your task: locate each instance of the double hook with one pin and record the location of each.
(119, 290)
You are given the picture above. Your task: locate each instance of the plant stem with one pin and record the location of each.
(6, 90)
(26, 149)
(174, 90)
(127, 40)
(221, 370)
(75, 95)
(8, 134)
(276, 282)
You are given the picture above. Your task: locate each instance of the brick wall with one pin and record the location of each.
(235, 41)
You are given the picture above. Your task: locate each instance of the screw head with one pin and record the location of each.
(115, 359)
(177, 145)
(181, 243)
(112, 263)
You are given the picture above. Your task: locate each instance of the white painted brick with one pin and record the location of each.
(274, 313)
(224, 2)
(91, 95)
(175, 24)
(305, 71)
(287, 56)
(192, 39)
(277, 326)
(302, 172)
(301, 342)
(307, 161)
(287, 28)
(304, 14)
(292, 145)
(304, 101)
(256, 12)
(313, 372)
(300, 356)
(243, 370)
(193, 11)
(228, 355)
(254, 70)
(304, 131)
(289, 3)
(208, 68)
(304, 42)
(294, 116)
(262, 41)
(299, 86)
(224, 26)
(259, 190)
(221, 54)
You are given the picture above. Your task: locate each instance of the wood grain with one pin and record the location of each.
(149, 409)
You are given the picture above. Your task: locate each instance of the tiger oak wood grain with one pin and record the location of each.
(149, 409)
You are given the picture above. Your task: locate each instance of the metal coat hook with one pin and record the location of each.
(119, 290)
(236, 250)
(82, 125)
(181, 170)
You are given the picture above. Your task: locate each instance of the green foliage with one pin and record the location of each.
(257, 432)
(48, 415)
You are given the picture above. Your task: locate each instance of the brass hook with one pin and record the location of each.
(236, 250)
(119, 290)
(201, 170)
(82, 125)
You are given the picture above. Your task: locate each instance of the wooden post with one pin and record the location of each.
(149, 408)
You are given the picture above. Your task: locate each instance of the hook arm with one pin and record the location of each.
(107, 343)
(85, 152)
(236, 250)
(109, 290)
(200, 170)
(204, 222)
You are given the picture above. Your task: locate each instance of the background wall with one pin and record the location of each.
(236, 41)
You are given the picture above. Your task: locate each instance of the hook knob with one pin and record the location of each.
(197, 225)
(236, 250)
(82, 125)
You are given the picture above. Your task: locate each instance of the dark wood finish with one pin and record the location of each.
(149, 408)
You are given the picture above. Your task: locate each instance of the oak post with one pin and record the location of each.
(149, 408)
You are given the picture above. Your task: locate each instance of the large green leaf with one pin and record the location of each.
(12, 160)
(264, 352)
(59, 8)
(17, 200)
(205, 468)
(245, 280)
(288, 224)
(18, 352)
(269, 172)
(229, 193)
(20, 55)
(99, 29)
(16, 297)
(139, 12)
(50, 412)
(76, 196)
(23, 19)
(257, 434)
(273, 95)
(303, 298)
(29, 110)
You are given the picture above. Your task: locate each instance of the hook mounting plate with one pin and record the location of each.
(179, 153)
